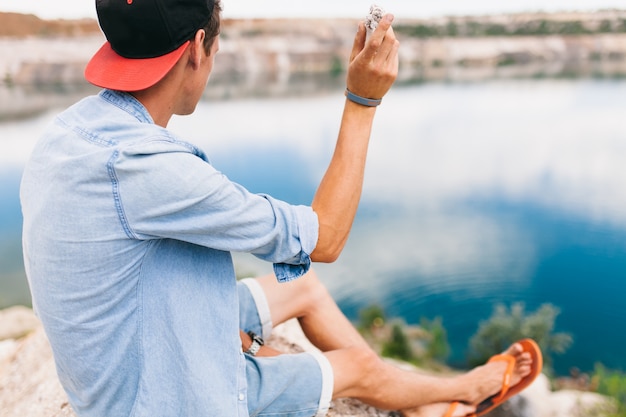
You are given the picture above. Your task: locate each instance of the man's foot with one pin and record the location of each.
(487, 380)
(439, 410)
(480, 384)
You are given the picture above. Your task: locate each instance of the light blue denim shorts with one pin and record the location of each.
(289, 385)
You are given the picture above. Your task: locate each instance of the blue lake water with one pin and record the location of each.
(475, 194)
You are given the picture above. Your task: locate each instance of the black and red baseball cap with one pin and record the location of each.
(145, 39)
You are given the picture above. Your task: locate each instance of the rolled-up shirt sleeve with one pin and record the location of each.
(167, 189)
(309, 228)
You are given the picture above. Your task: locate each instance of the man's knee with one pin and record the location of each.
(297, 298)
(358, 371)
(315, 292)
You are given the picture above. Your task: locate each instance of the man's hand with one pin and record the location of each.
(374, 63)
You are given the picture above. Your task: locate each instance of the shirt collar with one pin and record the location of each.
(128, 103)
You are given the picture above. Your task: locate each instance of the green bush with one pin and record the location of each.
(398, 346)
(423, 345)
(437, 346)
(505, 326)
(371, 317)
(612, 384)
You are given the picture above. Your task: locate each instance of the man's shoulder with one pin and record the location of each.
(116, 119)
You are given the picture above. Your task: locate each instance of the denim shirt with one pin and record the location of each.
(127, 238)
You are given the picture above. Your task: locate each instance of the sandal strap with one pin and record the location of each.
(451, 409)
(506, 377)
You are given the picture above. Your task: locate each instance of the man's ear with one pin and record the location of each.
(197, 49)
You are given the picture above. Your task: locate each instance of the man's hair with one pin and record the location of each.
(212, 28)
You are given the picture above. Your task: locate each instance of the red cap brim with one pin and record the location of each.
(107, 69)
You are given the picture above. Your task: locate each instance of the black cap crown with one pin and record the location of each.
(151, 28)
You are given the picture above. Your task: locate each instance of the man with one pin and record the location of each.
(128, 232)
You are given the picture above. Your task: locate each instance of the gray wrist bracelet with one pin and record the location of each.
(368, 102)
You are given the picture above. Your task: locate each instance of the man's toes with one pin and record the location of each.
(522, 370)
(514, 350)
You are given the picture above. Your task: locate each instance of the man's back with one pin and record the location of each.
(131, 317)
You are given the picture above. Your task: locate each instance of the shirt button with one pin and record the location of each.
(241, 397)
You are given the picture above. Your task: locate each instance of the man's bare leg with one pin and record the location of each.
(308, 300)
(359, 372)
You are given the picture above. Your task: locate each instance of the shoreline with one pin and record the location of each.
(52, 53)
(41, 61)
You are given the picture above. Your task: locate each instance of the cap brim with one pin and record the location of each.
(107, 69)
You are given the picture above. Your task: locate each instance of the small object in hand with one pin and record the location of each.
(372, 19)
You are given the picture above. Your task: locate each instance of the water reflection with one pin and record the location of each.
(475, 193)
(558, 144)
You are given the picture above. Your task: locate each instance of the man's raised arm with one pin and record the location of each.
(373, 69)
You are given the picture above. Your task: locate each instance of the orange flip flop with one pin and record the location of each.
(451, 409)
(508, 391)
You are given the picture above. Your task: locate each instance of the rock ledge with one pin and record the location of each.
(29, 385)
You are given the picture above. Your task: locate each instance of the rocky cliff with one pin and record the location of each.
(287, 58)
(56, 52)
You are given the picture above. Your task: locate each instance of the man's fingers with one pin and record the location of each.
(376, 40)
(393, 60)
(359, 41)
(389, 45)
(384, 25)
